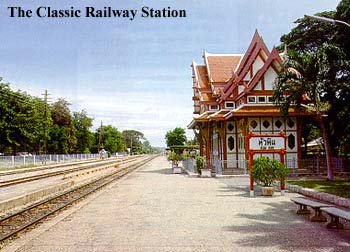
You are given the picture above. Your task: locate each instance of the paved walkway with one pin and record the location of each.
(153, 210)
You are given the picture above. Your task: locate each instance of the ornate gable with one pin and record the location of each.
(254, 58)
(265, 76)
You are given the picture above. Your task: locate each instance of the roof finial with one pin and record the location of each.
(256, 33)
(204, 53)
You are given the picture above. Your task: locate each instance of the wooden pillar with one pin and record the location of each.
(282, 154)
(250, 155)
(245, 133)
(204, 136)
(201, 152)
(299, 140)
(200, 140)
(222, 133)
(208, 143)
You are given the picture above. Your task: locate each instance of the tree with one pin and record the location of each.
(301, 79)
(111, 140)
(82, 124)
(146, 147)
(62, 134)
(329, 45)
(133, 140)
(318, 68)
(176, 136)
(309, 133)
(21, 121)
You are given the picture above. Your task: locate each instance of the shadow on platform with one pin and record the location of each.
(279, 227)
(234, 191)
(160, 171)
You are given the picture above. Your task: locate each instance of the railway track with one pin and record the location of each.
(17, 222)
(15, 181)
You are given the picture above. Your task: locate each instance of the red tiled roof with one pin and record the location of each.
(221, 67)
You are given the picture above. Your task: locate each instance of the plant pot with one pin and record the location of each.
(177, 170)
(267, 190)
(205, 173)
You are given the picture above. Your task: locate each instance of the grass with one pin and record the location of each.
(340, 188)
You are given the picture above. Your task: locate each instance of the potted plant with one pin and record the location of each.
(176, 159)
(265, 171)
(201, 166)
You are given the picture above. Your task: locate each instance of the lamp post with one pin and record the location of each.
(327, 20)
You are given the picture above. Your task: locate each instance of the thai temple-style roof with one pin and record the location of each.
(245, 81)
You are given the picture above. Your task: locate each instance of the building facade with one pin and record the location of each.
(232, 95)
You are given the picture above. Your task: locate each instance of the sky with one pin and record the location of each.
(134, 74)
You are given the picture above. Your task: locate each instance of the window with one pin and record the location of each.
(253, 124)
(214, 107)
(290, 123)
(230, 127)
(251, 99)
(231, 143)
(291, 141)
(261, 99)
(266, 124)
(278, 124)
(269, 99)
(229, 105)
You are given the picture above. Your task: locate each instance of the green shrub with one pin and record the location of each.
(200, 163)
(265, 171)
(175, 158)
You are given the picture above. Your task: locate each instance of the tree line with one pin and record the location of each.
(26, 121)
(317, 76)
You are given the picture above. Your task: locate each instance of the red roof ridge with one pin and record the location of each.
(223, 54)
(256, 45)
(207, 65)
(254, 81)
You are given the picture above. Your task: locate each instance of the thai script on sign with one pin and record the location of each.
(266, 143)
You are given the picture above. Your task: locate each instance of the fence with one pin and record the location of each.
(318, 165)
(12, 161)
(219, 166)
(314, 165)
(189, 164)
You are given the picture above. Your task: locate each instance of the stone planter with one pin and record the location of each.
(205, 173)
(177, 170)
(267, 190)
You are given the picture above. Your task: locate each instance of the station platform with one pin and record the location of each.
(154, 210)
(19, 195)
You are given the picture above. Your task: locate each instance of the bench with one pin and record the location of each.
(336, 213)
(304, 203)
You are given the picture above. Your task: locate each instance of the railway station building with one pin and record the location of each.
(232, 95)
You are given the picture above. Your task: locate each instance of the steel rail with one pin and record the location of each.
(91, 165)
